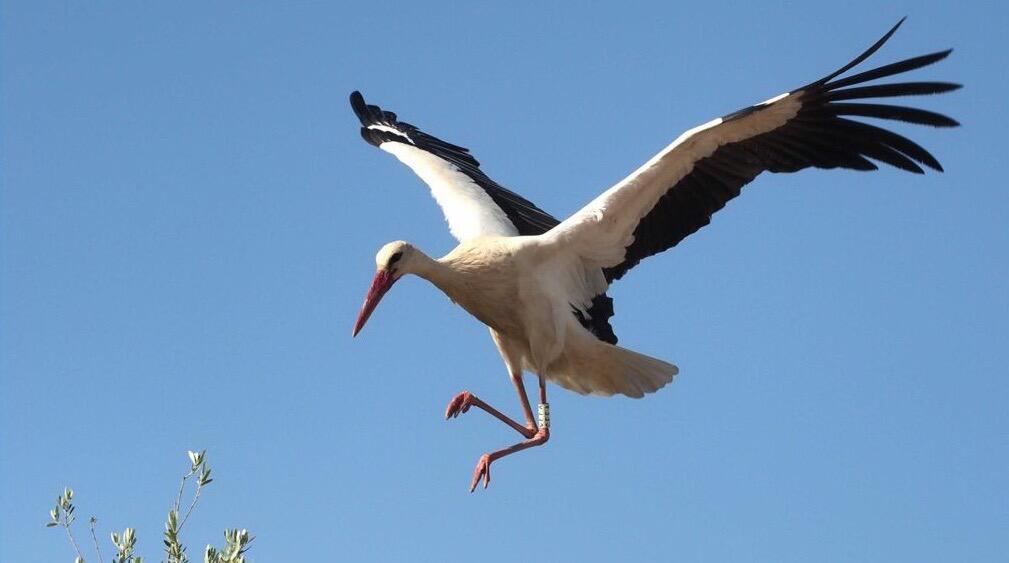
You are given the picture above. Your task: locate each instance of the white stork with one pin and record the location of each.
(540, 285)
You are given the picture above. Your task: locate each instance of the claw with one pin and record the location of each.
(482, 470)
(458, 405)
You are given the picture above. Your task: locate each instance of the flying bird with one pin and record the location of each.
(540, 284)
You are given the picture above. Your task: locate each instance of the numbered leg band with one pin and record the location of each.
(544, 415)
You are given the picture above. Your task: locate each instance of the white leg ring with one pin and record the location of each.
(544, 415)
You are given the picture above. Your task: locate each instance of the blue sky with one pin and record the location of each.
(189, 220)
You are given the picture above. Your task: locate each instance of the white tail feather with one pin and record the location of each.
(603, 369)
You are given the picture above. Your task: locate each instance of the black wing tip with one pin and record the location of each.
(938, 55)
(886, 37)
(893, 30)
(945, 87)
(948, 121)
(359, 106)
(857, 60)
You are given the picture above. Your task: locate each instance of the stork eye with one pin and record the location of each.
(395, 257)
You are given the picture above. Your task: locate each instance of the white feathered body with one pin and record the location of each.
(522, 289)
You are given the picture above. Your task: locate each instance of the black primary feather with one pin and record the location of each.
(818, 136)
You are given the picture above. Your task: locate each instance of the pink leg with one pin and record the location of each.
(463, 401)
(538, 438)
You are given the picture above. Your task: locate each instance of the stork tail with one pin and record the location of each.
(605, 369)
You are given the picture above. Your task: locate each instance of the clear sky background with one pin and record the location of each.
(189, 220)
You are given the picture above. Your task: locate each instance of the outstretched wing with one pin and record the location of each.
(675, 193)
(474, 205)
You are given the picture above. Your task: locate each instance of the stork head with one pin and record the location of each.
(392, 262)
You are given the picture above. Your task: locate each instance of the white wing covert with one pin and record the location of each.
(474, 205)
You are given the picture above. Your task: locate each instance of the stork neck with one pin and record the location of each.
(438, 273)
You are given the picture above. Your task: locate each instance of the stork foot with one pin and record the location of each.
(459, 404)
(482, 471)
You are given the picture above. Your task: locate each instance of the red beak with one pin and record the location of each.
(381, 284)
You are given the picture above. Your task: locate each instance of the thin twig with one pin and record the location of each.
(98, 549)
(73, 542)
(182, 485)
(192, 505)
